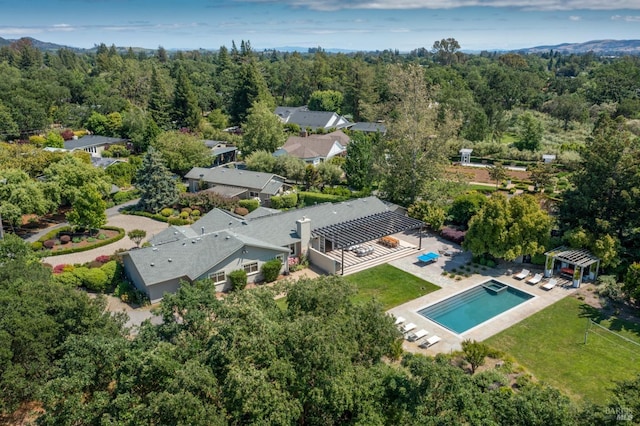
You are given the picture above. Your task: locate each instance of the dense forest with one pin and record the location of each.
(321, 359)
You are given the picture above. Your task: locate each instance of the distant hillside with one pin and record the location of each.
(600, 47)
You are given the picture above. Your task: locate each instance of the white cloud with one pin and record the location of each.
(575, 18)
(331, 5)
(626, 18)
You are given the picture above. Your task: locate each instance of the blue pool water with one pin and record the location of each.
(465, 310)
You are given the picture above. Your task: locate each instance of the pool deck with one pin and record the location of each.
(433, 273)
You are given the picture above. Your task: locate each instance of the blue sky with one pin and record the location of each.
(348, 24)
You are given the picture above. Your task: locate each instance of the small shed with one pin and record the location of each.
(465, 156)
(575, 264)
(548, 158)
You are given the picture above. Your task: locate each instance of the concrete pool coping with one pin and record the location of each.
(449, 287)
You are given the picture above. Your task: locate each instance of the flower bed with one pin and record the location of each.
(52, 245)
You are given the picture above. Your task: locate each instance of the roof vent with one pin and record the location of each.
(193, 241)
(170, 260)
(155, 249)
(198, 239)
(228, 237)
(153, 264)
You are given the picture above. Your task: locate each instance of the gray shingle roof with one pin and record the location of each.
(318, 119)
(190, 257)
(261, 211)
(233, 177)
(369, 127)
(193, 250)
(315, 146)
(91, 140)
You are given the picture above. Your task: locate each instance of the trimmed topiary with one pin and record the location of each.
(238, 279)
(271, 269)
(250, 204)
(166, 212)
(64, 239)
(49, 244)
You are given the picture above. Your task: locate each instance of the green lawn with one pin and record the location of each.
(550, 344)
(389, 285)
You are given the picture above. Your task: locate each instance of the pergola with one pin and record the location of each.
(367, 228)
(578, 258)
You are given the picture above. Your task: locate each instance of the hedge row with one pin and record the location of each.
(159, 217)
(94, 279)
(55, 232)
(311, 198)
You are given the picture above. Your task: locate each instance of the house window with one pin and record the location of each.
(218, 277)
(280, 257)
(251, 268)
(253, 194)
(292, 249)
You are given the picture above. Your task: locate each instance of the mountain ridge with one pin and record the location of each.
(602, 47)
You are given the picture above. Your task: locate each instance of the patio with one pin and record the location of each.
(451, 341)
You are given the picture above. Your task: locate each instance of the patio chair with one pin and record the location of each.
(430, 341)
(550, 284)
(412, 337)
(408, 327)
(535, 279)
(522, 275)
(400, 320)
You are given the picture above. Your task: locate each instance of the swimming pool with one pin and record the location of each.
(472, 307)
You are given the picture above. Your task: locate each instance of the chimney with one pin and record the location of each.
(303, 133)
(303, 229)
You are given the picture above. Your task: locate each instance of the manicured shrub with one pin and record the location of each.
(271, 269)
(289, 201)
(67, 279)
(112, 271)
(102, 236)
(36, 246)
(166, 212)
(49, 244)
(238, 279)
(93, 279)
(184, 215)
(453, 234)
(241, 211)
(250, 205)
(64, 239)
(277, 202)
(58, 269)
(103, 258)
(76, 239)
(195, 213)
(187, 210)
(178, 221)
(491, 263)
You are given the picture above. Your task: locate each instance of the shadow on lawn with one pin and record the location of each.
(615, 322)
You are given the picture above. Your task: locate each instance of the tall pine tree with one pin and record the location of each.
(155, 182)
(186, 112)
(159, 107)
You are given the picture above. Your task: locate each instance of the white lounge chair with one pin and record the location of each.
(535, 279)
(400, 320)
(412, 337)
(430, 341)
(550, 284)
(522, 275)
(408, 327)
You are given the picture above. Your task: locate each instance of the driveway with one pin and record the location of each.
(127, 222)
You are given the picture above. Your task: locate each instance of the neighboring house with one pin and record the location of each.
(312, 119)
(315, 149)
(236, 183)
(220, 243)
(221, 152)
(93, 144)
(367, 127)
